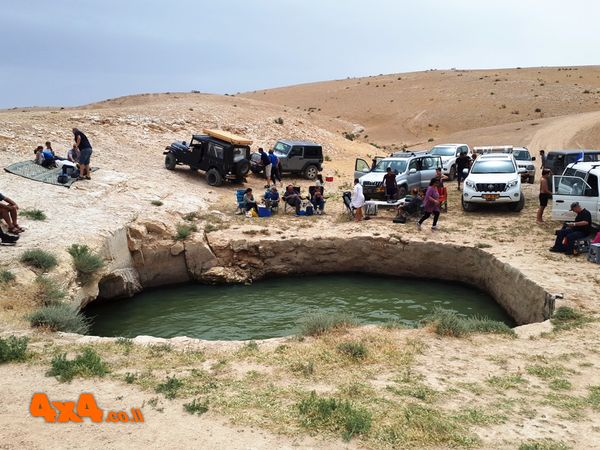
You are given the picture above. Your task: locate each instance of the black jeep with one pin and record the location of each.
(222, 155)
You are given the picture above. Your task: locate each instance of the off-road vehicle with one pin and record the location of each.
(449, 153)
(222, 155)
(525, 161)
(413, 170)
(297, 157)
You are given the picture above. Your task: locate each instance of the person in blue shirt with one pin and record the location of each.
(266, 162)
(275, 169)
(272, 198)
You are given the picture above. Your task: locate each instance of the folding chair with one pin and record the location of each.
(347, 199)
(297, 190)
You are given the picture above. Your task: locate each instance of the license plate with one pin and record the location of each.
(490, 197)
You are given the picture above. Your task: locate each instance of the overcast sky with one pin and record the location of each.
(72, 52)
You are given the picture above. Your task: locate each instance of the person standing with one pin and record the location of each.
(275, 172)
(545, 194)
(462, 162)
(358, 200)
(85, 154)
(542, 159)
(266, 162)
(431, 204)
(571, 231)
(391, 187)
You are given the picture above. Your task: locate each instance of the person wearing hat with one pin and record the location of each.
(571, 231)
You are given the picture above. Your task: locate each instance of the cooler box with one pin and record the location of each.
(594, 254)
(263, 211)
(329, 179)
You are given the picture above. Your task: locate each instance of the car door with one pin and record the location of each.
(294, 159)
(569, 189)
(413, 177)
(361, 167)
(428, 166)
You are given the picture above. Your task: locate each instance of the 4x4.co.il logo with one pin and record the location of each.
(86, 406)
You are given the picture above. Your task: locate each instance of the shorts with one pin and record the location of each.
(460, 176)
(268, 171)
(85, 156)
(544, 199)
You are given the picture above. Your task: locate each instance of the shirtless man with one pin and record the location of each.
(545, 194)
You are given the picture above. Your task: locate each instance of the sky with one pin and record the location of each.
(73, 52)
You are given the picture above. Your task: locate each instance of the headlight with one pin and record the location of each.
(470, 184)
(530, 168)
(512, 183)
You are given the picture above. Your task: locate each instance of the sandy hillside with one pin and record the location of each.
(128, 135)
(411, 108)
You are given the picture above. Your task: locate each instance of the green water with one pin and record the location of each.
(272, 308)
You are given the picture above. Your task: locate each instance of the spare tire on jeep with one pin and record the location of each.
(241, 168)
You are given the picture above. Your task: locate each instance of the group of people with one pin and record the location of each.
(291, 196)
(77, 157)
(271, 166)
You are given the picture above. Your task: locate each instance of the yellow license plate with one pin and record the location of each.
(490, 197)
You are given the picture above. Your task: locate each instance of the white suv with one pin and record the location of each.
(494, 178)
(449, 153)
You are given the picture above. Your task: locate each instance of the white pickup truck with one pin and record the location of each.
(580, 182)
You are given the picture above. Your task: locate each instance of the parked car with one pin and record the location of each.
(297, 157)
(558, 160)
(525, 161)
(580, 182)
(494, 178)
(413, 170)
(449, 153)
(222, 155)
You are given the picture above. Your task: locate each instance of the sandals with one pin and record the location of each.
(16, 230)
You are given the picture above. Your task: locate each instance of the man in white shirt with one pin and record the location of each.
(358, 200)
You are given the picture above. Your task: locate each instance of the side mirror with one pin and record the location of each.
(365, 170)
(411, 171)
(533, 159)
(465, 172)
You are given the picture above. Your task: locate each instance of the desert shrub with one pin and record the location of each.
(196, 407)
(184, 230)
(40, 259)
(318, 323)
(355, 350)
(169, 387)
(6, 276)
(49, 291)
(350, 136)
(543, 444)
(279, 121)
(84, 260)
(13, 348)
(33, 214)
(86, 364)
(156, 202)
(130, 377)
(538, 110)
(430, 140)
(449, 323)
(191, 216)
(565, 318)
(334, 415)
(59, 318)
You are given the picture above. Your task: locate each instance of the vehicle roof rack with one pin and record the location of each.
(227, 137)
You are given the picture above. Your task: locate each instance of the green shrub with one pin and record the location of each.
(355, 350)
(130, 377)
(190, 217)
(6, 276)
(184, 230)
(39, 258)
(49, 292)
(543, 444)
(33, 214)
(86, 364)
(196, 407)
(334, 415)
(565, 318)
(84, 260)
(156, 202)
(59, 318)
(13, 348)
(449, 323)
(170, 387)
(318, 323)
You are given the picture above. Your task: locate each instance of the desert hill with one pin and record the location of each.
(412, 108)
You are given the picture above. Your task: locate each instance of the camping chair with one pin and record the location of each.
(286, 205)
(443, 198)
(272, 204)
(347, 199)
(311, 193)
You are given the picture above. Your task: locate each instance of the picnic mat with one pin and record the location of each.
(33, 171)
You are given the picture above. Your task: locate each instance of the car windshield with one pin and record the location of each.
(521, 155)
(282, 148)
(397, 166)
(443, 151)
(493, 166)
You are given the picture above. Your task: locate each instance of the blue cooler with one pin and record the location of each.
(264, 211)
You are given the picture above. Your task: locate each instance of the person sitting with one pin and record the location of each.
(248, 201)
(292, 198)
(9, 212)
(73, 154)
(317, 199)
(412, 204)
(38, 156)
(49, 150)
(571, 231)
(44, 157)
(272, 198)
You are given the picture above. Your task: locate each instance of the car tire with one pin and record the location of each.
(452, 173)
(170, 161)
(531, 179)
(242, 167)
(468, 206)
(310, 172)
(518, 206)
(402, 191)
(256, 170)
(214, 178)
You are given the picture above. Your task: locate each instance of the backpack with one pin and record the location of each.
(310, 210)
(62, 178)
(75, 173)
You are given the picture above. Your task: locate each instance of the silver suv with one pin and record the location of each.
(525, 161)
(297, 157)
(413, 170)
